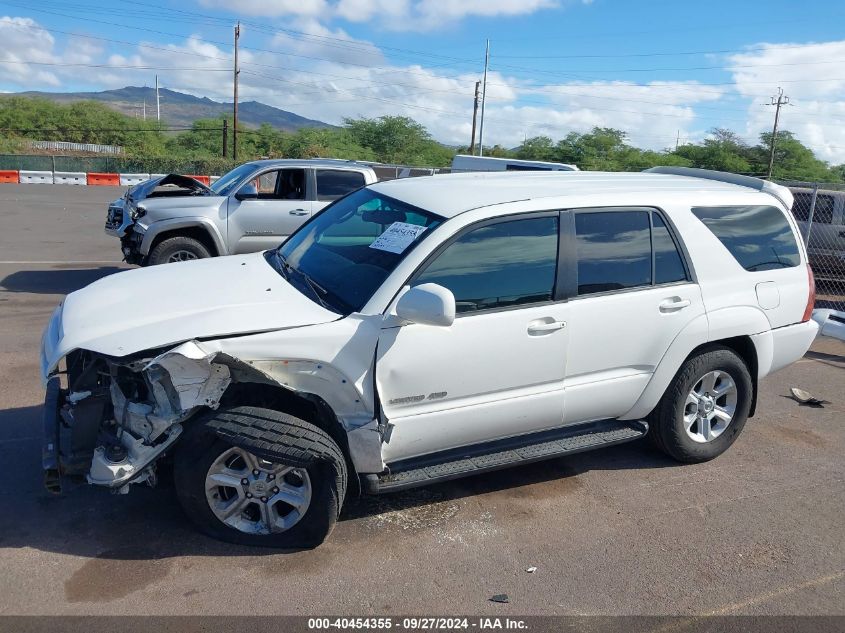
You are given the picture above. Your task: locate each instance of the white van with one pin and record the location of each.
(463, 163)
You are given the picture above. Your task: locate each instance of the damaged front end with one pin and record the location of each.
(116, 417)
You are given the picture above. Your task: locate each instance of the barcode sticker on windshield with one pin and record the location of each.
(397, 237)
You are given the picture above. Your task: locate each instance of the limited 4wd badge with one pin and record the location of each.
(397, 237)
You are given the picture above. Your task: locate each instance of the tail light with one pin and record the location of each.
(811, 297)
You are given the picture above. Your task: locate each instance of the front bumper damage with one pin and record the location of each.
(117, 417)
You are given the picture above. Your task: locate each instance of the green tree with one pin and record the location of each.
(722, 150)
(398, 139)
(537, 148)
(793, 159)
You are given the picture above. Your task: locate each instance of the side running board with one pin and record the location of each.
(523, 449)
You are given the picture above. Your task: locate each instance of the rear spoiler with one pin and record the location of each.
(778, 191)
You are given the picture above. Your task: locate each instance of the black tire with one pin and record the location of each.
(666, 422)
(273, 436)
(166, 249)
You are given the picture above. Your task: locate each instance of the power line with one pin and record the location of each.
(751, 49)
(116, 66)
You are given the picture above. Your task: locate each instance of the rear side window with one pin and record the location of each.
(499, 265)
(334, 184)
(613, 249)
(803, 202)
(759, 237)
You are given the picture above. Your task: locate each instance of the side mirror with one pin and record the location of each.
(428, 304)
(246, 195)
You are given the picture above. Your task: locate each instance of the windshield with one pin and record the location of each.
(227, 183)
(345, 253)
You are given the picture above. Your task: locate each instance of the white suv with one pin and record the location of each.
(429, 328)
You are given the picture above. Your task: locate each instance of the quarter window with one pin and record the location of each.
(668, 264)
(334, 184)
(499, 265)
(759, 237)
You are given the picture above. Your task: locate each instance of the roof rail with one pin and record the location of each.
(778, 191)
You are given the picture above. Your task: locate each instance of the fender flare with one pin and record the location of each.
(166, 226)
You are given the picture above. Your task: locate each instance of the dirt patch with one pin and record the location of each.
(799, 435)
(108, 576)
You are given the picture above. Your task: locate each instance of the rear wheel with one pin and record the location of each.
(705, 408)
(260, 477)
(177, 249)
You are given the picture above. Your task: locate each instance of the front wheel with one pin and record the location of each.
(177, 249)
(259, 477)
(705, 408)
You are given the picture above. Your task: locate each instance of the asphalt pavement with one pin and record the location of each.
(618, 531)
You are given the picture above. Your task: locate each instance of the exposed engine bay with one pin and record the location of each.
(118, 415)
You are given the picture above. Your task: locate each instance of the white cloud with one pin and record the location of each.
(271, 8)
(816, 91)
(22, 39)
(401, 15)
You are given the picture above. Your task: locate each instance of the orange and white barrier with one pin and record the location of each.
(99, 179)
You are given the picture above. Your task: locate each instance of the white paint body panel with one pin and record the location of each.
(153, 307)
(617, 342)
(483, 378)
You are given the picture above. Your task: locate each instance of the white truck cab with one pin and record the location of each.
(424, 329)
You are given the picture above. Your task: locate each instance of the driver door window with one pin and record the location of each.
(281, 184)
(499, 265)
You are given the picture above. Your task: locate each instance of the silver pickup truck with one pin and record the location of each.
(251, 208)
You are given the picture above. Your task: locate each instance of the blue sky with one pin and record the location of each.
(658, 69)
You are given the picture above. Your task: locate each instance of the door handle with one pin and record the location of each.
(299, 212)
(544, 326)
(675, 303)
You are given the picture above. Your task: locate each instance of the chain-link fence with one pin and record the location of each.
(820, 211)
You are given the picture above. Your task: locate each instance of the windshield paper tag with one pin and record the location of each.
(397, 237)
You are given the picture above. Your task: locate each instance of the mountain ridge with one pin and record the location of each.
(180, 109)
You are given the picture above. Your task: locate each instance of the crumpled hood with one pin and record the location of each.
(164, 305)
(144, 189)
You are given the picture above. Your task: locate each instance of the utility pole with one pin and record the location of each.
(483, 101)
(474, 114)
(781, 101)
(235, 107)
(145, 110)
(677, 140)
(225, 137)
(158, 105)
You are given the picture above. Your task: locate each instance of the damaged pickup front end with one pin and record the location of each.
(116, 417)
